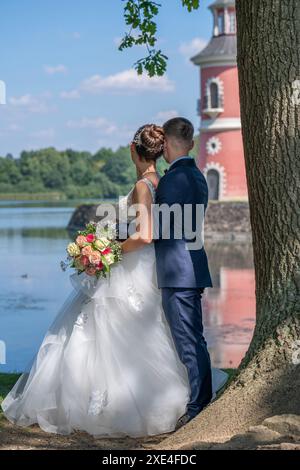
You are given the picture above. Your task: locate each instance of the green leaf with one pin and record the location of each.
(142, 15)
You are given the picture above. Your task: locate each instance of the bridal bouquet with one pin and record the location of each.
(94, 250)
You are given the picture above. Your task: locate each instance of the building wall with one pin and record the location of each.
(228, 75)
(229, 161)
(228, 157)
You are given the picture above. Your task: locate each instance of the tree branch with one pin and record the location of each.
(141, 16)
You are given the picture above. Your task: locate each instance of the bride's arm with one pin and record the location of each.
(143, 234)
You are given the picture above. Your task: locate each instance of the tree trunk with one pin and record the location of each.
(268, 380)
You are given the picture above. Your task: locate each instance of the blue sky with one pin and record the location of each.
(69, 86)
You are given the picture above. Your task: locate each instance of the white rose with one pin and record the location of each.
(101, 243)
(73, 249)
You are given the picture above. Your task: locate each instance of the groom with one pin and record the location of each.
(183, 273)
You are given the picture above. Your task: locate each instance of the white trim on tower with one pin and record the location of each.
(220, 124)
(221, 63)
(222, 175)
(208, 107)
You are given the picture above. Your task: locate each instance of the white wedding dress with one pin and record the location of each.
(108, 364)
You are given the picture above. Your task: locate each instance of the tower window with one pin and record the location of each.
(213, 183)
(221, 23)
(213, 100)
(232, 22)
(214, 95)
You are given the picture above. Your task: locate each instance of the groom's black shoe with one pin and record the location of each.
(182, 421)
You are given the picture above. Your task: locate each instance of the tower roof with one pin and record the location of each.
(222, 3)
(220, 47)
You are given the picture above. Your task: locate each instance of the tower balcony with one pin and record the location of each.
(211, 107)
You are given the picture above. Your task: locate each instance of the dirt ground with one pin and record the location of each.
(33, 438)
(276, 433)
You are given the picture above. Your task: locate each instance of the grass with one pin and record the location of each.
(7, 381)
(51, 196)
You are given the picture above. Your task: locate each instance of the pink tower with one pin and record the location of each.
(221, 156)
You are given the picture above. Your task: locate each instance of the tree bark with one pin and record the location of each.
(268, 380)
(269, 65)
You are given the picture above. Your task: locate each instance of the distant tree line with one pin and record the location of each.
(105, 174)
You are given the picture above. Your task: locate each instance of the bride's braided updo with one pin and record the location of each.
(149, 140)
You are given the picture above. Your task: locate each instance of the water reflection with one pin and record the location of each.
(32, 286)
(229, 308)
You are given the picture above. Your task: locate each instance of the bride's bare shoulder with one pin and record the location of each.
(140, 191)
(144, 190)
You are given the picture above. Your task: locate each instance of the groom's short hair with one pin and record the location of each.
(180, 129)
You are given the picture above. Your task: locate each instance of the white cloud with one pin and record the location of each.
(43, 134)
(25, 100)
(51, 70)
(10, 129)
(29, 102)
(98, 123)
(164, 116)
(70, 95)
(127, 81)
(14, 127)
(107, 132)
(189, 49)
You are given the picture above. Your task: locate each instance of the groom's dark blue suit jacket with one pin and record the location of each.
(176, 266)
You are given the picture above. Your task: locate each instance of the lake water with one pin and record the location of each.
(33, 239)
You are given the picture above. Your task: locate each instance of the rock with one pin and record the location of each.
(281, 446)
(280, 432)
(286, 424)
(256, 435)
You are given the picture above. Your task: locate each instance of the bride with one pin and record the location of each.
(108, 364)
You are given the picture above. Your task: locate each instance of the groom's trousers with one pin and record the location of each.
(182, 307)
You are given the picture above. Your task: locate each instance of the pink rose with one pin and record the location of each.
(87, 250)
(90, 238)
(100, 266)
(94, 257)
(106, 251)
(84, 261)
(90, 271)
(81, 241)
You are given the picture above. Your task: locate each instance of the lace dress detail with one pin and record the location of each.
(98, 400)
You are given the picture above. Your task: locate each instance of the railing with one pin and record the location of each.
(206, 102)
